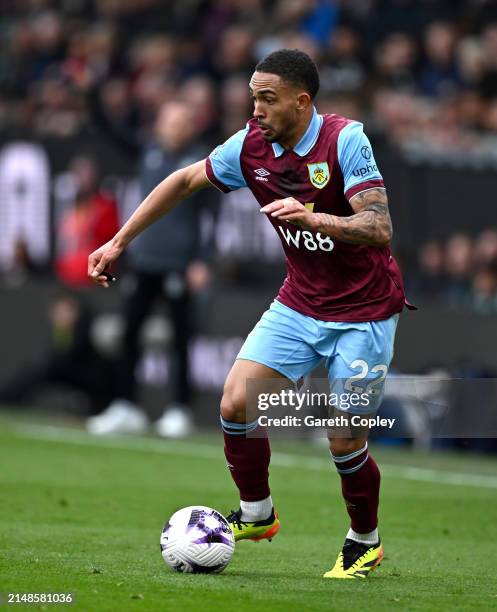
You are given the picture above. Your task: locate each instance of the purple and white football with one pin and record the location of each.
(197, 539)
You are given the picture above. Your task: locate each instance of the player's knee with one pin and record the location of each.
(344, 446)
(233, 405)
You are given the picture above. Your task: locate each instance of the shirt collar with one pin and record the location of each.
(307, 141)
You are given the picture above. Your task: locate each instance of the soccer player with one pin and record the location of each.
(317, 181)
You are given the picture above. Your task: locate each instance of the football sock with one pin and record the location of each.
(256, 510)
(370, 538)
(248, 460)
(360, 488)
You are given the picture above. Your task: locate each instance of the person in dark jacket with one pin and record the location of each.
(170, 261)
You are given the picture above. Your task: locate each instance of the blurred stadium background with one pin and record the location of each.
(82, 83)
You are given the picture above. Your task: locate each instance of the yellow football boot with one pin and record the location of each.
(260, 530)
(356, 560)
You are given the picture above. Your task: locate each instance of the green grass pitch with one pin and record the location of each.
(84, 516)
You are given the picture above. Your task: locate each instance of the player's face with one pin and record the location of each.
(275, 105)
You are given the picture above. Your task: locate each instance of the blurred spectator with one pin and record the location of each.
(200, 95)
(168, 262)
(462, 273)
(47, 30)
(58, 111)
(234, 51)
(398, 114)
(69, 360)
(235, 97)
(90, 55)
(488, 82)
(470, 110)
(153, 68)
(485, 252)
(343, 69)
(314, 18)
(90, 222)
(439, 75)
(431, 279)
(458, 266)
(115, 111)
(484, 290)
(21, 266)
(395, 61)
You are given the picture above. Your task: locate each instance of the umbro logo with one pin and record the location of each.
(262, 174)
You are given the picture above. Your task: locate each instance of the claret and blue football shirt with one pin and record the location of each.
(327, 279)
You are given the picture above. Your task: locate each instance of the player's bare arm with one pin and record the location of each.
(371, 223)
(176, 187)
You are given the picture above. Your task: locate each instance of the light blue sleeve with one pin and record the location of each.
(355, 157)
(225, 161)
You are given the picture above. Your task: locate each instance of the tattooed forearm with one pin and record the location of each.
(370, 225)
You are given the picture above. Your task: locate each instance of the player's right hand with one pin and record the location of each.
(100, 260)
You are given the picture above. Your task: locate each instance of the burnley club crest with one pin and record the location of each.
(319, 174)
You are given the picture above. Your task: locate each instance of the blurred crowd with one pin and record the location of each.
(460, 272)
(423, 73)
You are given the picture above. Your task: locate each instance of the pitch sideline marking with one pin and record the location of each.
(68, 435)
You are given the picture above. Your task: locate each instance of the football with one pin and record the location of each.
(197, 539)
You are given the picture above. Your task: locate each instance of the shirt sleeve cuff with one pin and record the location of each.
(350, 193)
(212, 177)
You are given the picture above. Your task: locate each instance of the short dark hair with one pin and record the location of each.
(293, 66)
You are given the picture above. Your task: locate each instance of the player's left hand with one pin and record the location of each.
(290, 209)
